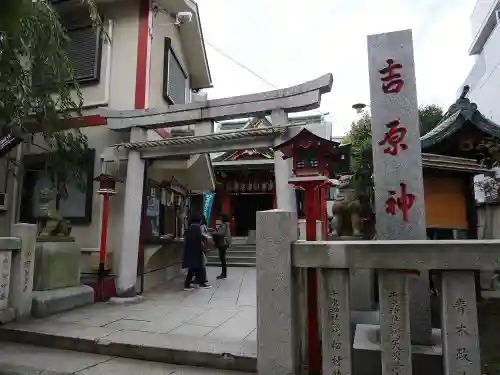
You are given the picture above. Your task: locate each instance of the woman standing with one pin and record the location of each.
(224, 241)
(193, 258)
(207, 239)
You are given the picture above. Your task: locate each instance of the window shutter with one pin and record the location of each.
(174, 77)
(84, 47)
(85, 53)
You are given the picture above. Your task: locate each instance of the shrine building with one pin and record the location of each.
(245, 181)
(452, 155)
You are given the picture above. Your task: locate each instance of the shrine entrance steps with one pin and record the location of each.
(238, 255)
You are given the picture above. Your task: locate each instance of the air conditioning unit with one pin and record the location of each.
(3, 201)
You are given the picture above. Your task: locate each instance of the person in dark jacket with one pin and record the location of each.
(224, 241)
(193, 259)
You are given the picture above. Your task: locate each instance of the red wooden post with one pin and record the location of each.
(104, 233)
(226, 204)
(107, 187)
(314, 348)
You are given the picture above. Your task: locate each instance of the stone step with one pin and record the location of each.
(217, 264)
(233, 259)
(172, 349)
(240, 253)
(243, 244)
(20, 359)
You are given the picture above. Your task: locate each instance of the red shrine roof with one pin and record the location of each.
(306, 139)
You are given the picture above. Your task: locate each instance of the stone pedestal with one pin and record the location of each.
(23, 265)
(277, 349)
(251, 239)
(57, 277)
(51, 302)
(367, 353)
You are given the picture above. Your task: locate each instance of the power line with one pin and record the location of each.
(226, 55)
(158, 8)
(241, 65)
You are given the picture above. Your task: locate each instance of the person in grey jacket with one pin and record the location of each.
(223, 243)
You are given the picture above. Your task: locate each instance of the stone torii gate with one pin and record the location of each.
(277, 103)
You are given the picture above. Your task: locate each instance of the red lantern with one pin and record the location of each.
(107, 184)
(107, 187)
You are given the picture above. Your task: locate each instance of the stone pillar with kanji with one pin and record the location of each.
(397, 163)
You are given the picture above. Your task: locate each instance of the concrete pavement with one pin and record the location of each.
(19, 359)
(205, 327)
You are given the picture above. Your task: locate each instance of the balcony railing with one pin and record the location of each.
(281, 303)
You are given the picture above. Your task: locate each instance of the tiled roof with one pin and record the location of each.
(459, 114)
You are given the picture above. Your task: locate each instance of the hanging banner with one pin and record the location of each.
(208, 200)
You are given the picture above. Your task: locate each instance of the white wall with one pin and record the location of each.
(162, 28)
(479, 15)
(484, 78)
(121, 81)
(116, 86)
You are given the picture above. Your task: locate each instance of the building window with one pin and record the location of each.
(77, 207)
(175, 78)
(85, 46)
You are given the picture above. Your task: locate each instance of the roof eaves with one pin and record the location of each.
(444, 129)
(486, 125)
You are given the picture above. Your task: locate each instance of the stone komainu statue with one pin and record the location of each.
(50, 221)
(346, 210)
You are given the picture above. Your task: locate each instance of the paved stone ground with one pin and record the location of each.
(18, 359)
(226, 311)
(219, 322)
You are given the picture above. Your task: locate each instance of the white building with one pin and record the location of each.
(149, 60)
(484, 77)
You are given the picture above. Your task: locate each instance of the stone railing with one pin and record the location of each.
(17, 255)
(280, 298)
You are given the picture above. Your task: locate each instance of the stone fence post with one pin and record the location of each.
(277, 350)
(23, 264)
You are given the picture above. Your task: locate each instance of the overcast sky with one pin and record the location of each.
(288, 42)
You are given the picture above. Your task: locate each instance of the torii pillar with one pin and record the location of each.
(285, 193)
(132, 217)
